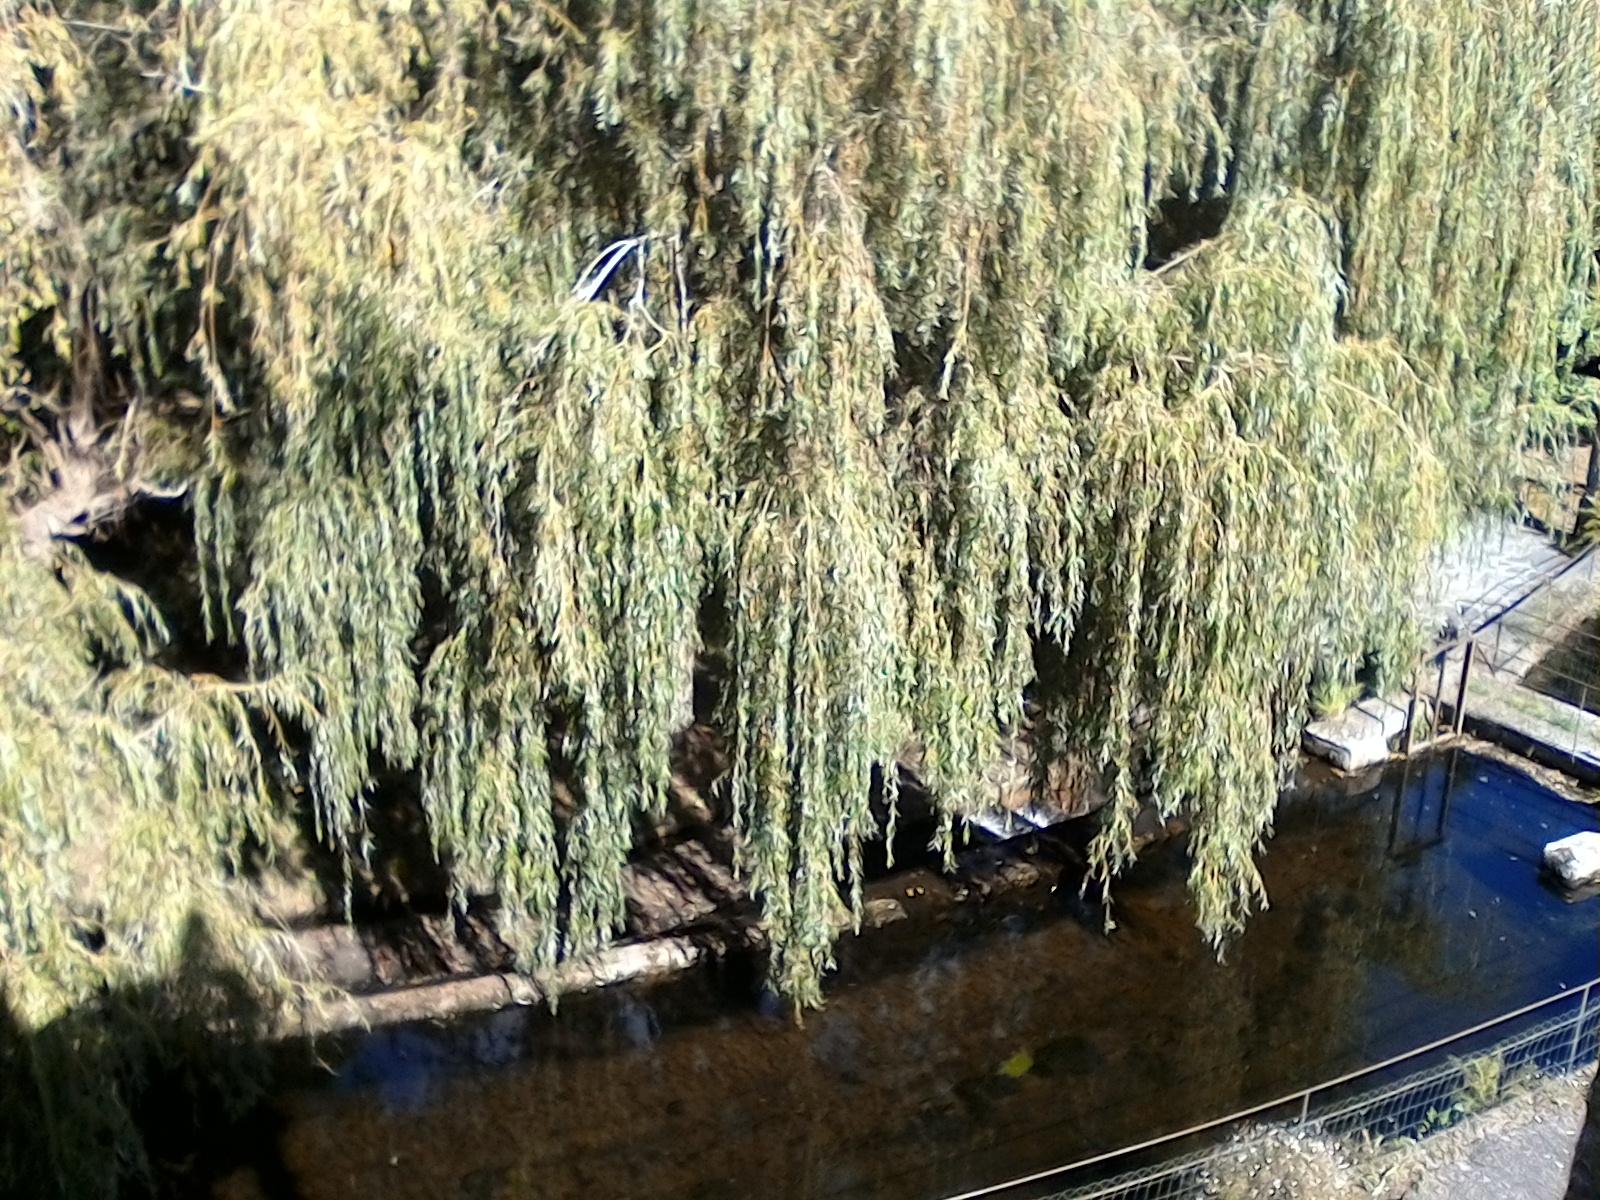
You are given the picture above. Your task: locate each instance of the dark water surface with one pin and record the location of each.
(980, 1042)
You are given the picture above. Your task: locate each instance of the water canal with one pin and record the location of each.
(983, 1042)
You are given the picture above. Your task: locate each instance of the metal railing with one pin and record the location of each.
(1533, 657)
(1363, 1101)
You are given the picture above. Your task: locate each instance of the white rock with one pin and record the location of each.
(1358, 737)
(1575, 860)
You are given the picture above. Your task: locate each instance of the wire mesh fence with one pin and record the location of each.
(1412, 1096)
(1433, 1099)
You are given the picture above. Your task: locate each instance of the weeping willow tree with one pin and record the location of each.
(1104, 367)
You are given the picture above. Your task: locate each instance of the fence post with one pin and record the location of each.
(1577, 1029)
(1461, 691)
(1411, 715)
(1577, 718)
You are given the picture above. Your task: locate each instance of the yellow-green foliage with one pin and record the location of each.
(516, 331)
(124, 788)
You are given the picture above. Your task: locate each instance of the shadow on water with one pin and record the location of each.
(139, 1093)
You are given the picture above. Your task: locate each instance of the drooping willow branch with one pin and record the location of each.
(497, 340)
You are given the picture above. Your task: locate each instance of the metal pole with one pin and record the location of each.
(1449, 791)
(1305, 1107)
(1399, 803)
(1461, 690)
(1577, 1030)
(1411, 714)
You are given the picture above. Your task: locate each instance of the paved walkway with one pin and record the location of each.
(1525, 1158)
(1527, 1164)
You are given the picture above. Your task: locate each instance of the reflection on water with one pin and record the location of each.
(982, 1042)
